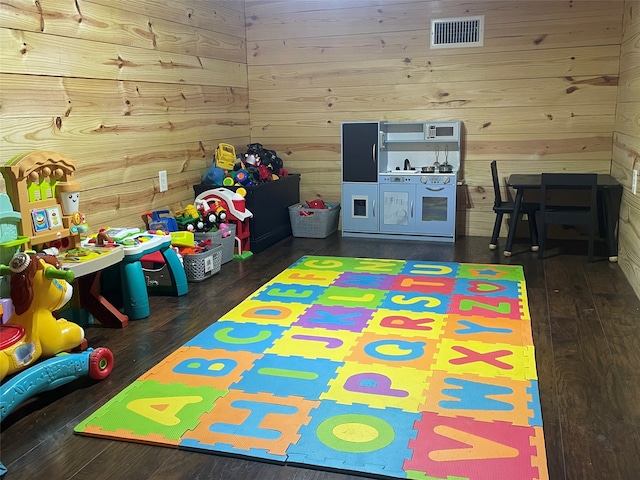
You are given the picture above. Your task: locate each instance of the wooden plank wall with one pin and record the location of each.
(539, 95)
(125, 89)
(626, 142)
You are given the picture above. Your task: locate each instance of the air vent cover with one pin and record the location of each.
(457, 32)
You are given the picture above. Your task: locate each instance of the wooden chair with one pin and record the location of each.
(573, 211)
(501, 208)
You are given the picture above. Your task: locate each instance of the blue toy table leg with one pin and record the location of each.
(176, 271)
(135, 298)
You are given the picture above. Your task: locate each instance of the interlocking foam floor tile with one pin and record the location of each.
(272, 313)
(356, 437)
(404, 369)
(150, 409)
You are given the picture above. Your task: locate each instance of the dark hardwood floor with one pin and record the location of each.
(586, 327)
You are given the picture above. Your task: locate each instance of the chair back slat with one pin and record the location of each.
(496, 184)
(502, 208)
(568, 180)
(575, 209)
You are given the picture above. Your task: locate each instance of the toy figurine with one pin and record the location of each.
(68, 194)
(103, 239)
(224, 230)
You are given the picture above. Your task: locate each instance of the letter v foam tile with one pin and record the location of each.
(468, 448)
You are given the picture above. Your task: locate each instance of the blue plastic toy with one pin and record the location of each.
(53, 373)
(158, 222)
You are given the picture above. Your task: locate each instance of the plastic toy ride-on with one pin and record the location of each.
(39, 287)
(189, 219)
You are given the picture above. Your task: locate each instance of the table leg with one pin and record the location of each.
(176, 271)
(135, 298)
(533, 232)
(513, 222)
(91, 300)
(611, 198)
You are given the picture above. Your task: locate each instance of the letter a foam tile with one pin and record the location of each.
(151, 411)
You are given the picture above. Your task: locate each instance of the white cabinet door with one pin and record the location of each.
(397, 208)
(436, 209)
(359, 207)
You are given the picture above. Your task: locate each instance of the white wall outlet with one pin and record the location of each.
(634, 182)
(162, 177)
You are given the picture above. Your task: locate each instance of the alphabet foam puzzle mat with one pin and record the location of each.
(393, 368)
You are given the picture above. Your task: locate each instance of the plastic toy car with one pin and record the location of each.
(225, 156)
(189, 219)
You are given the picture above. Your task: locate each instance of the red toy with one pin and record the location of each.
(237, 213)
(317, 204)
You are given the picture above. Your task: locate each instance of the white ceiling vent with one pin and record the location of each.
(457, 32)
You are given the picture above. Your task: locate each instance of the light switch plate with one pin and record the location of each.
(162, 177)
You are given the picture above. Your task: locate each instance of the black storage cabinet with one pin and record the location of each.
(269, 202)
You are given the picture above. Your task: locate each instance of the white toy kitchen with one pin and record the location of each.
(399, 179)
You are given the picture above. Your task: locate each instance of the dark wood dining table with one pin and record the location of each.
(609, 198)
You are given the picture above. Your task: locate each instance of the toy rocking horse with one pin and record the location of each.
(38, 287)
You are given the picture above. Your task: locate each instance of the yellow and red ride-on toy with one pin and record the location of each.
(39, 352)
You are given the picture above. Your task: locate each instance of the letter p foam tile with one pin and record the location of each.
(400, 369)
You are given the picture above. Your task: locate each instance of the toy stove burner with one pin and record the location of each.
(437, 168)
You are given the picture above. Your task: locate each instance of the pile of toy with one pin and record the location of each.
(193, 228)
(258, 165)
(202, 216)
